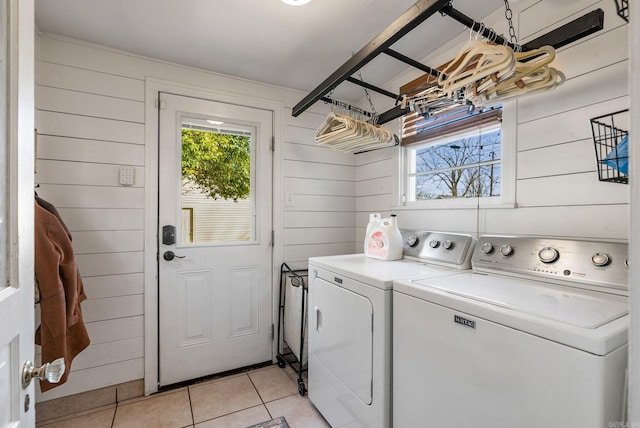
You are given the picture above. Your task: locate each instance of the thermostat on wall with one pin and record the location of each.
(126, 176)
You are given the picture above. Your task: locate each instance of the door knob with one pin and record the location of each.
(170, 255)
(51, 372)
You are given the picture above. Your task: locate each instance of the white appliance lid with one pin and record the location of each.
(594, 322)
(378, 273)
(562, 304)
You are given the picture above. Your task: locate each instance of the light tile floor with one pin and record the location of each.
(239, 400)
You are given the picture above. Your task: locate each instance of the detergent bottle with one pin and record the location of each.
(385, 240)
(374, 219)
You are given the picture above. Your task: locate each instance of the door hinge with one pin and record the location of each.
(273, 327)
(160, 104)
(273, 238)
(273, 143)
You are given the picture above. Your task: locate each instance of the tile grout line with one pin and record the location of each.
(258, 392)
(113, 419)
(193, 419)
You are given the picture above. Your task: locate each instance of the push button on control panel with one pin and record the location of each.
(600, 259)
(548, 255)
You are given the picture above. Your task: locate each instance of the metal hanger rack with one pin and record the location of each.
(414, 16)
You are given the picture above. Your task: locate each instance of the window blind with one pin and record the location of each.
(416, 129)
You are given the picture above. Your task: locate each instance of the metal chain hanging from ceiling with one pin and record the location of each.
(508, 13)
(374, 115)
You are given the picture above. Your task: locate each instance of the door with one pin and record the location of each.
(215, 229)
(341, 337)
(17, 403)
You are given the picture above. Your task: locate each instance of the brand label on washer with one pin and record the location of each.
(465, 322)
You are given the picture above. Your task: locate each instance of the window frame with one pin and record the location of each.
(507, 197)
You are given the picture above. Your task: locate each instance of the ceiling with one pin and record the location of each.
(262, 40)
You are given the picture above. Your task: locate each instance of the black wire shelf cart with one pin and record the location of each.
(286, 354)
(611, 144)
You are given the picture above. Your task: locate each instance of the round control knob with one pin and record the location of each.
(506, 250)
(447, 245)
(600, 259)
(487, 248)
(548, 255)
(412, 241)
(434, 244)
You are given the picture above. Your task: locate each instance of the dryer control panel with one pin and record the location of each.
(446, 249)
(582, 263)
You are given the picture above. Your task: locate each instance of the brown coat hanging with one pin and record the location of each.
(62, 332)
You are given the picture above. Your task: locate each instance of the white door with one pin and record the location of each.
(17, 404)
(215, 218)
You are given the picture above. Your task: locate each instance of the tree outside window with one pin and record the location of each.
(465, 167)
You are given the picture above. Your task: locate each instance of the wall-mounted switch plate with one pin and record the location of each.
(288, 200)
(126, 176)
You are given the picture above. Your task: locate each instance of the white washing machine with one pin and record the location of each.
(535, 336)
(350, 324)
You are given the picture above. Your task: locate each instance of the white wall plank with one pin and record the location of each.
(109, 263)
(310, 186)
(92, 128)
(569, 158)
(325, 235)
(575, 93)
(112, 308)
(85, 104)
(92, 196)
(322, 203)
(305, 219)
(318, 170)
(115, 329)
(375, 186)
(572, 125)
(304, 152)
(83, 150)
(572, 189)
(102, 218)
(604, 222)
(301, 253)
(98, 287)
(107, 241)
(109, 353)
(84, 173)
(93, 82)
(380, 168)
(612, 47)
(375, 203)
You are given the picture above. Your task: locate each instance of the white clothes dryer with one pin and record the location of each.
(350, 324)
(535, 336)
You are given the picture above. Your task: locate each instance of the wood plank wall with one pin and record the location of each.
(557, 187)
(90, 115)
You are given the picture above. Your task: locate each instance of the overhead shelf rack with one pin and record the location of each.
(409, 20)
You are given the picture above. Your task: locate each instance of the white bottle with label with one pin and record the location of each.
(374, 219)
(384, 242)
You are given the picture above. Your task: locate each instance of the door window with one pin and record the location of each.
(217, 197)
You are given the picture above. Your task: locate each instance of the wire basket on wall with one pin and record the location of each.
(611, 143)
(622, 8)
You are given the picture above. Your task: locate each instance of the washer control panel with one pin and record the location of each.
(447, 249)
(593, 264)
